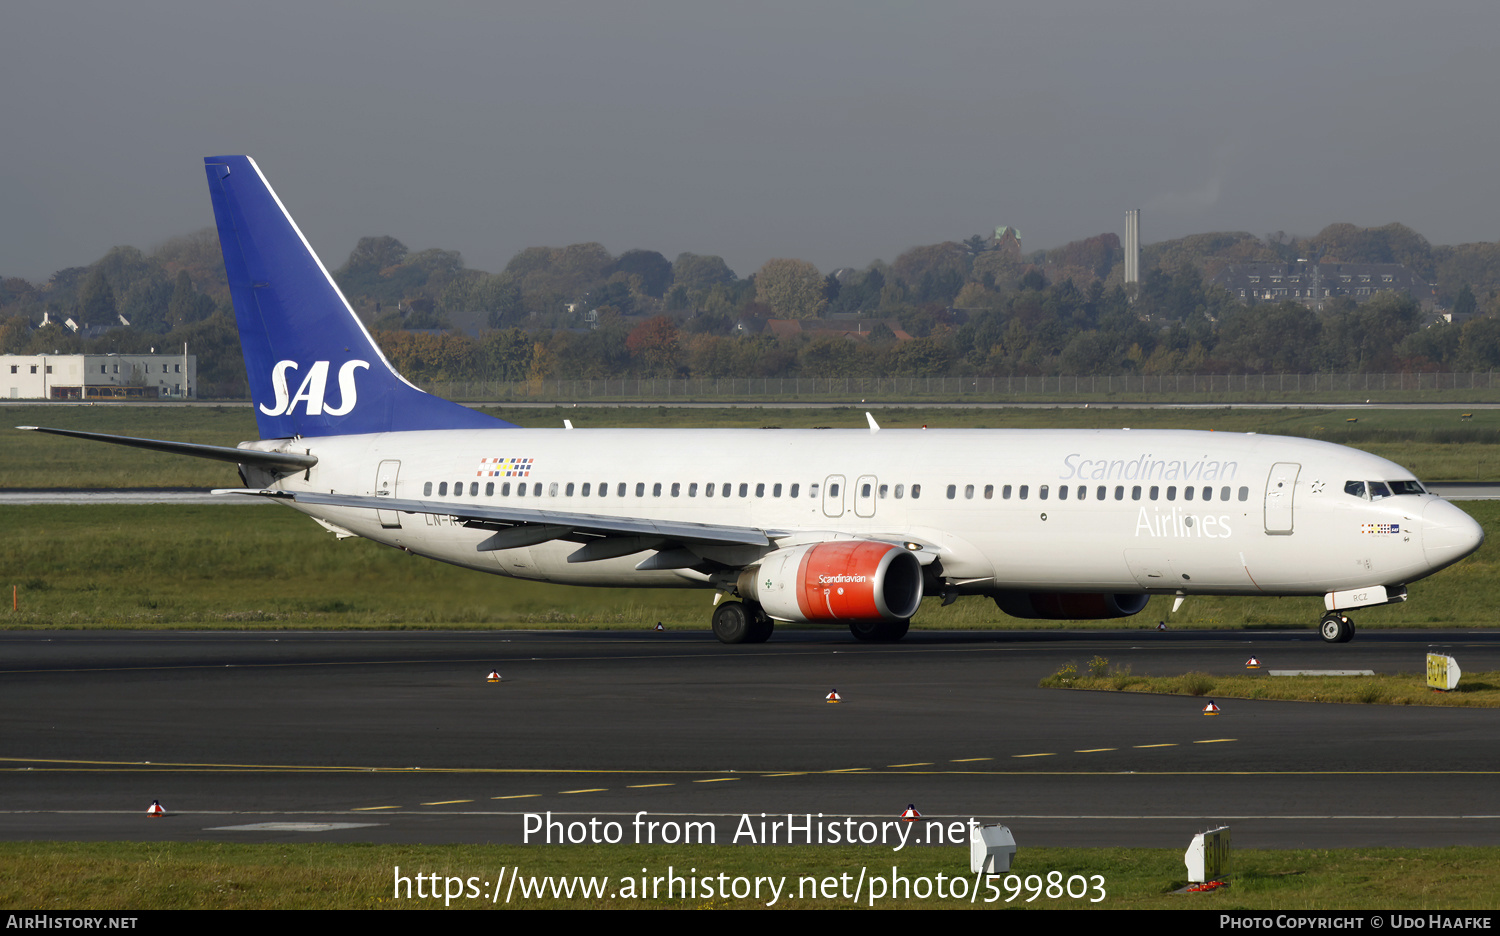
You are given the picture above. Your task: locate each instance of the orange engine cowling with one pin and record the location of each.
(842, 580)
(1068, 606)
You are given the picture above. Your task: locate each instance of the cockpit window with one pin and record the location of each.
(1379, 490)
(1357, 488)
(1407, 487)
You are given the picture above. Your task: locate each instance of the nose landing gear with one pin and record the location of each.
(1336, 628)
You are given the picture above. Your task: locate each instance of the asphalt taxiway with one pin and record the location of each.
(398, 736)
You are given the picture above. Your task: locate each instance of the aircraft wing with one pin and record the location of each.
(603, 537)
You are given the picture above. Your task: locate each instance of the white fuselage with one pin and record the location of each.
(1051, 510)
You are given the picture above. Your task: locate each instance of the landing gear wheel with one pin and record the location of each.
(733, 623)
(879, 631)
(1335, 628)
(760, 628)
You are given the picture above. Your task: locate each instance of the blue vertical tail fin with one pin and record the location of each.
(313, 368)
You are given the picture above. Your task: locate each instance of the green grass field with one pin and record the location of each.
(268, 566)
(1475, 690)
(120, 877)
(126, 566)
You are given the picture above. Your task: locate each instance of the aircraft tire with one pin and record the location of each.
(1335, 628)
(733, 623)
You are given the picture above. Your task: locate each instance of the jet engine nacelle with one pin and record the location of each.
(842, 580)
(1068, 606)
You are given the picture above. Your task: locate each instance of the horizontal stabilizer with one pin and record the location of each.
(273, 461)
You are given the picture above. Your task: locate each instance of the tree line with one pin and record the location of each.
(976, 306)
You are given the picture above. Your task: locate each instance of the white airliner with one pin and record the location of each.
(848, 527)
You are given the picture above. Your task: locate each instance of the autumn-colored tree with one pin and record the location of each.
(653, 347)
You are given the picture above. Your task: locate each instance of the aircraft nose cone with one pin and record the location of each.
(1448, 534)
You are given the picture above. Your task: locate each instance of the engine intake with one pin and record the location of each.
(843, 580)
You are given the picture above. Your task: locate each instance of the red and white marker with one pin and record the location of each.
(659, 627)
(1161, 625)
(1252, 663)
(156, 809)
(1210, 709)
(494, 676)
(833, 697)
(910, 814)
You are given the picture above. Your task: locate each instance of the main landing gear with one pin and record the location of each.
(1336, 628)
(741, 622)
(880, 631)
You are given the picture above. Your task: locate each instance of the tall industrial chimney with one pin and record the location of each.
(1132, 246)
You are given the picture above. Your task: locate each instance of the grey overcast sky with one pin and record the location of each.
(837, 132)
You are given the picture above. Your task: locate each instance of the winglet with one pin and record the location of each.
(874, 426)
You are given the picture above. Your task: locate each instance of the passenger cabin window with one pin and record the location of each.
(427, 489)
(916, 491)
(793, 492)
(489, 489)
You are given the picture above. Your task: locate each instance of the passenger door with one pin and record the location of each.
(1280, 488)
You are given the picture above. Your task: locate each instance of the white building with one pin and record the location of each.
(99, 376)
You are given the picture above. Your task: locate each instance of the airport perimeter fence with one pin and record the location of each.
(1145, 388)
